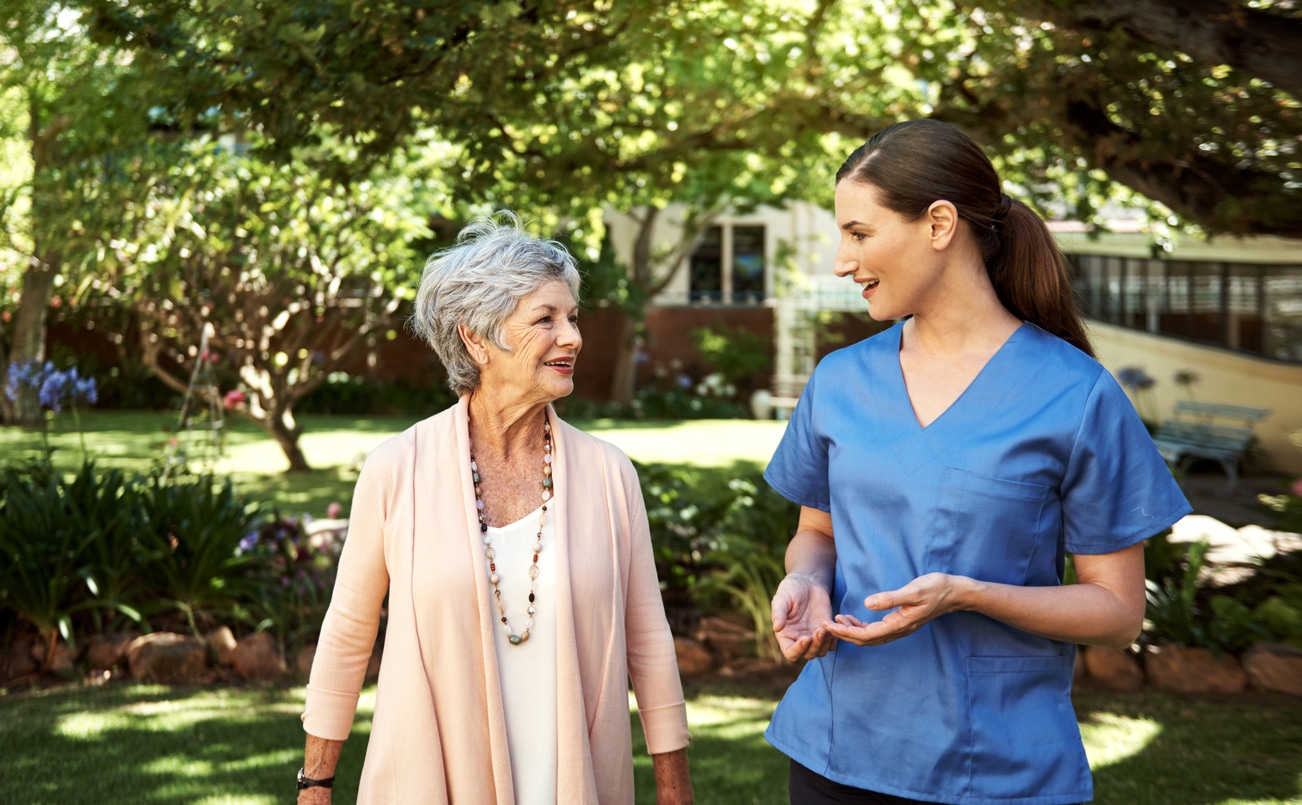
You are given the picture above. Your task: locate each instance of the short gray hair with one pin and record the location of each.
(478, 282)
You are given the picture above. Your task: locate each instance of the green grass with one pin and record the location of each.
(335, 447)
(151, 744)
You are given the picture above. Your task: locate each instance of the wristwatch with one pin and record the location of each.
(308, 782)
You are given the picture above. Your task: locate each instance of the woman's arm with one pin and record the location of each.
(673, 784)
(1104, 608)
(802, 603)
(319, 759)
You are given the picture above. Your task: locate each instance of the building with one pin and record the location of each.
(1225, 315)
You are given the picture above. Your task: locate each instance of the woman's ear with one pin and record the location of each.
(942, 218)
(474, 344)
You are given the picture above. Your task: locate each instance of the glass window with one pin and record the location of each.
(705, 283)
(747, 264)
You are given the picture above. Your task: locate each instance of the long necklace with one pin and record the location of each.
(491, 555)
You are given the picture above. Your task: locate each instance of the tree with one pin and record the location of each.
(64, 105)
(573, 107)
(288, 270)
(1095, 94)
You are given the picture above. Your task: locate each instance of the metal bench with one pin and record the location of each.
(1212, 431)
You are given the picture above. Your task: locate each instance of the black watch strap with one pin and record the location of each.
(308, 782)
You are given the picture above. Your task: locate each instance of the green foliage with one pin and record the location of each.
(1185, 608)
(719, 542)
(193, 526)
(86, 552)
(735, 353)
(62, 544)
(295, 572)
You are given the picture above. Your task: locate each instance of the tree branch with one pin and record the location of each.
(1260, 42)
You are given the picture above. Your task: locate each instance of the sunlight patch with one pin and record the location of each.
(1110, 738)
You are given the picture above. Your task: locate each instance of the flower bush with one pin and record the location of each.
(54, 389)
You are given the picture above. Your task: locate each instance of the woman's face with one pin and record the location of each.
(543, 334)
(890, 258)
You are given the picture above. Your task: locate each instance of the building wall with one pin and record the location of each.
(1223, 377)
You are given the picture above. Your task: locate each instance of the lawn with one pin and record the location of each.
(150, 744)
(124, 743)
(335, 447)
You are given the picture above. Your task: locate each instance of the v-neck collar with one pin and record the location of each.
(982, 397)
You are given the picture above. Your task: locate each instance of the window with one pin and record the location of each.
(741, 250)
(1255, 308)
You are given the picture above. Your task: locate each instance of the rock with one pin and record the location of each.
(60, 662)
(258, 656)
(104, 651)
(693, 658)
(303, 660)
(1275, 667)
(221, 643)
(18, 660)
(1113, 669)
(167, 657)
(1194, 670)
(727, 637)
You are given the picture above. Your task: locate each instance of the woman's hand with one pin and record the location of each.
(921, 600)
(801, 609)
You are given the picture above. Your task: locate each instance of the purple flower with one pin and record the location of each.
(246, 544)
(1135, 378)
(53, 388)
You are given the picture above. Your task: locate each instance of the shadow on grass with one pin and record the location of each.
(1198, 750)
(133, 744)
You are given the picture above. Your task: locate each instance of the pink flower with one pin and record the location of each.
(1297, 487)
(333, 510)
(172, 442)
(234, 398)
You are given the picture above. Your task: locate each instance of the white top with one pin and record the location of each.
(528, 671)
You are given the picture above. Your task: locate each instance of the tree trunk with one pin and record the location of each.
(286, 434)
(624, 380)
(29, 337)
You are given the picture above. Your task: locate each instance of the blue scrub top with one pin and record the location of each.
(1041, 455)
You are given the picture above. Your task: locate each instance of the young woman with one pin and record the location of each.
(945, 468)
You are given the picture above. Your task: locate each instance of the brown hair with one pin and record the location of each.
(917, 162)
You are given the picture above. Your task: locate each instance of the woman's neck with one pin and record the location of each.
(504, 427)
(963, 316)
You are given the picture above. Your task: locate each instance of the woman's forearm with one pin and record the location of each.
(812, 551)
(1105, 607)
(673, 782)
(320, 757)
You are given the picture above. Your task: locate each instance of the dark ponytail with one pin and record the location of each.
(918, 162)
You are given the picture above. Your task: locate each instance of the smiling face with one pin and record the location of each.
(892, 259)
(544, 340)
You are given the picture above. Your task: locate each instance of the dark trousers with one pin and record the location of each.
(807, 788)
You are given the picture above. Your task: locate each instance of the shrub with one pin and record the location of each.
(189, 558)
(66, 546)
(1184, 608)
(85, 553)
(719, 542)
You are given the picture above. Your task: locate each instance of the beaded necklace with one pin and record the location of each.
(491, 555)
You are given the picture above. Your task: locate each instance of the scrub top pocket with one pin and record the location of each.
(1024, 734)
(987, 528)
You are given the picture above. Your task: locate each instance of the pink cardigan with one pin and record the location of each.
(439, 734)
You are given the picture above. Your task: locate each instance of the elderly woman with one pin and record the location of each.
(515, 554)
